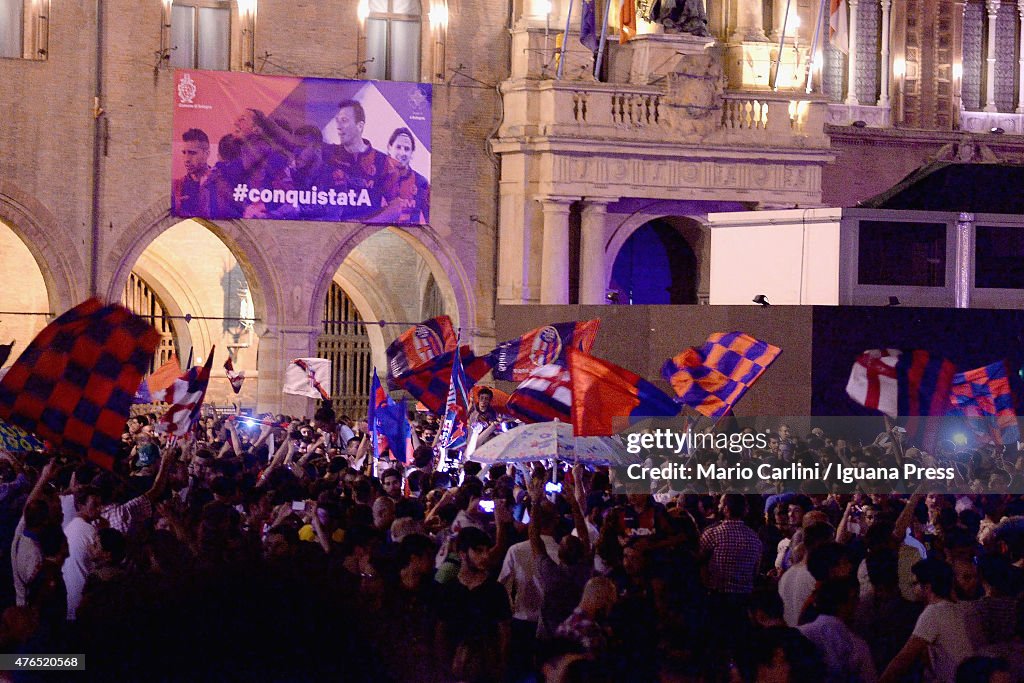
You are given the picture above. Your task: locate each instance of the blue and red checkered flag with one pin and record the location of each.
(603, 391)
(428, 383)
(421, 344)
(515, 359)
(544, 396)
(73, 385)
(454, 432)
(713, 378)
(985, 393)
(186, 398)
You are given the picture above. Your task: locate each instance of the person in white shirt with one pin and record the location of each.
(941, 636)
(26, 555)
(82, 541)
(846, 655)
(797, 584)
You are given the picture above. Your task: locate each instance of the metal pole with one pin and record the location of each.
(565, 42)
(604, 40)
(782, 44)
(814, 47)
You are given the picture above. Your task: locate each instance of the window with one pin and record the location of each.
(905, 254)
(24, 29)
(393, 40)
(999, 257)
(201, 35)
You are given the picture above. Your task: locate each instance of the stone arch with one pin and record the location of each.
(445, 266)
(62, 267)
(155, 275)
(693, 229)
(240, 239)
(373, 305)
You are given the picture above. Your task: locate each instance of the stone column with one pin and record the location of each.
(886, 71)
(554, 276)
(592, 240)
(992, 7)
(851, 62)
(1020, 55)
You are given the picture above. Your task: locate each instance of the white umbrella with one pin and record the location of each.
(547, 440)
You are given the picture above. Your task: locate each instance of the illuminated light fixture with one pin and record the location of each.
(761, 300)
(438, 15)
(794, 21)
(958, 70)
(544, 6)
(363, 10)
(996, 131)
(899, 67)
(247, 8)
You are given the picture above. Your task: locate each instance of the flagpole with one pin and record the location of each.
(782, 44)
(814, 47)
(604, 40)
(565, 42)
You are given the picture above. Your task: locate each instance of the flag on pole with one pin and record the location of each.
(378, 399)
(838, 31)
(627, 21)
(420, 344)
(164, 376)
(429, 383)
(453, 432)
(985, 393)
(310, 377)
(236, 378)
(543, 396)
(603, 391)
(515, 359)
(588, 26)
(73, 385)
(186, 398)
(873, 381)
(895, 382)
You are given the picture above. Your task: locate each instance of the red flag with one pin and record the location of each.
(603, 391)
(73, 385)
(164, 376)
(515, 359)
(429, 383)
(420, 344)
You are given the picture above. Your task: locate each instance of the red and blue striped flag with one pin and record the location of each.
(544, 396)
(453, 432)
(186, 398)
(515, 359)
(429, 383)
(603, 391)
(985, 393)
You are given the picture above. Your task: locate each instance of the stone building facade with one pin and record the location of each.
(540, 171)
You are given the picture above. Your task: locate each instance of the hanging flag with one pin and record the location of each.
(236, 378)
(713, 378)
(420, 344)
(838, 31)
(588, 26)
(186, 398)
(428, 383)
(603, 391)
(984, 394)
(543, 396)
(895, 382)
(164, 376)
(515, 359)
(453, 432)
(5, 352)
(74, 383)
(873, 381)
(309, 377)
(627, 21)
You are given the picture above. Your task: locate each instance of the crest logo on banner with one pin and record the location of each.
(546, 347)
(186, 89)
(427, 343)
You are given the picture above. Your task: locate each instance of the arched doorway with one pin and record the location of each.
(387, 277)
(192, 287)
(25, 305)
(661, 263)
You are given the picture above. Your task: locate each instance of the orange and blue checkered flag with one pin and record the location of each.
(985, 393)
(713, 378)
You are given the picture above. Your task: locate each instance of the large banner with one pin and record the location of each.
(248, 146)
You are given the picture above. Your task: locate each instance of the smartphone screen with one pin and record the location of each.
(299, 505)
(487, 506)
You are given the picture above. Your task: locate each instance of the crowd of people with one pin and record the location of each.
(281, 549)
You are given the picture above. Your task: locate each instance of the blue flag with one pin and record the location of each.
(388, 419)
(453, 432)
(588, 26)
